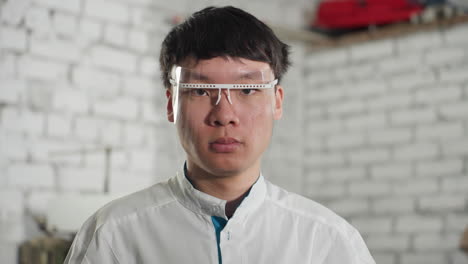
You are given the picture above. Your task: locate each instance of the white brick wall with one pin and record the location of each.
(394, 111)
(376, 131)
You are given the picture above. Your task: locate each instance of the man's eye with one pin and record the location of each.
(248, 91)
(199, 92)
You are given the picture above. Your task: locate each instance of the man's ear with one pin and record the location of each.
(169, 108)
(278, 110)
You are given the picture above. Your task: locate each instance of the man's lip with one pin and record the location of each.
(225, 140)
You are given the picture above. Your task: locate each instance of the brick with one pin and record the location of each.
(443, 203)
(119, 159)
(390, 136)
(343, 141)
(14, 146)
(122, 107)
(65, 24)
(422, 258)
(110, 132)
(418, 224)
(151, 20)
(54, 151)
(416, 151)
(385, 258)
(400, 64)
(12, 216)
(25, 121)
(107, 11)
(441, 131)
(97, 82)
(68, 6)
(142, 160)
(366, 121)
(37, 69)
(140, 86)
(13, 39)
(325, 191)
(413, 116)
(369, 156)
(347, 174)
(444, 56)
(457, 35)
(413, 79)
(457, 184)
(455, 110)
(361, 71)
(390, 102)
(115, 35)
(416, 187)
(389, 243)
(150, 113)
(58, 125)
(134, 134)
(12, 89)
(38, 20)
(31, 176)
(7, 65)
(329, 93)
(393, 205)
(149, 66)
(70, 100)
(390, 171)
(419, 42)
(138, 41)
(9, 251)
(366, 88)
(87, 128)
(90, 29)
(37, 202)
(113, 58)
(325, 160)
(62, 50)
(347, 207)
(436, 242)
(455, 148)
(456, 222)
(372, 50)
(129, 182)
(327, 58)
(437, 95)
(440, 168)
(458, 257)
(344, 108)
(13, 12)
(372, 225)
(320, 78)
(454, 74)
(81, 179)
(369, 189)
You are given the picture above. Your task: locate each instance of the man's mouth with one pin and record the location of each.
(225, 145)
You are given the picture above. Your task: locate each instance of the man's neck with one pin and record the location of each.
(232, 188)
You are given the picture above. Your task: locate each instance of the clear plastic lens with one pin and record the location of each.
(244, 88)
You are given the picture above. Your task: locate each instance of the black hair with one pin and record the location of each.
(226, 32)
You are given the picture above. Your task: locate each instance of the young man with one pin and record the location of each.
(221, 69)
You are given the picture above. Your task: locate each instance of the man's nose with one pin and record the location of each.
(223, 112)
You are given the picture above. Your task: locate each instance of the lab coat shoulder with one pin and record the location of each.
(344, 238)
(147, 199)
(91, 244)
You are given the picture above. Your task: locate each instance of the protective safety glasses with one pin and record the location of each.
(203, 89)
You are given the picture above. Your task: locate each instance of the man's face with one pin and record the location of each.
(225, 132)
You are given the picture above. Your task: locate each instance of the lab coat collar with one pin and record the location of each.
(202, 203)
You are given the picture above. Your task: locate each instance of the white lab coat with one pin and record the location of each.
(170, 223)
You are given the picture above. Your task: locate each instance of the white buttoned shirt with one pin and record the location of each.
(171, 223)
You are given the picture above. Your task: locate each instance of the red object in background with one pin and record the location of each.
(349, 14)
